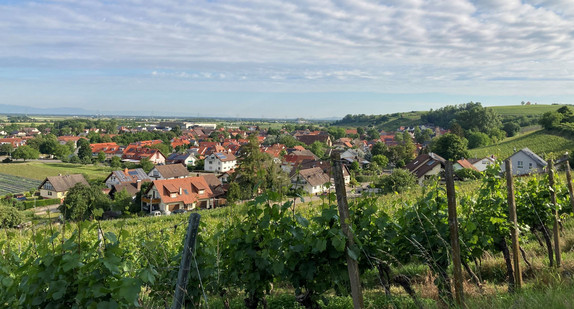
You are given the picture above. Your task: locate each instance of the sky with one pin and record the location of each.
(284, 59)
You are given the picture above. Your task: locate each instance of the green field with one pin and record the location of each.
(541, 142)
(16, 184)
(40, 170)
(524, 110)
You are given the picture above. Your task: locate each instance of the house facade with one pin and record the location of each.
(425, 166)
(220, 162)
(312, 180)
(525, 162)
(168, 195)
(58, 186)
(126, 176)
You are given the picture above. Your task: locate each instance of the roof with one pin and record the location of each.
(131, 187)
(466, 164)
(65, 182)
(311, 138)
(172, 170)
(424, 163)
(224, 157)
(108, 148)
(532, 156)
(314, 176)
(127, 175)
(186, 190)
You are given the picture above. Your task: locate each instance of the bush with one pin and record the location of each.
(467, 174)
(7, 160)
(9, 217)
(38, 203)
(399, 180)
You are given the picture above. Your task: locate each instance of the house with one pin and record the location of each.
(425, 166)
(325, 166)
(463, 163)
(312, 180)
(109, 149)
(58, 186)
(482, 164)
(74, 139)
(220, 162)
(170, 171)
(14, 141)
(168, 195)
(131, 187)
(294, 158)
(136, 153)
(126, 176)
(186, 158)
(525, 162)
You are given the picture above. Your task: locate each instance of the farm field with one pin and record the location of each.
(524, 110)
(16, 184)
(39, 170)
(541, 142)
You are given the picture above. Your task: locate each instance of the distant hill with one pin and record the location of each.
(390, 122)
(541, 142)
(16, 109)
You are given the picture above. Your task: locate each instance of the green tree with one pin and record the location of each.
(234, 193)
(101, 157)
(379, 149)
(360, 131)
(450, 147)
(6, 148)
(9, 217)
(84, 149)
(116, 162)
(511, 128)
(146, 165)
(551, 120)
(478, 139)
(26, 153)
(83, 202)
(400, 180)
(62, 152)
(373, 134)
(318, 149)
(381, 160)
(122, 201)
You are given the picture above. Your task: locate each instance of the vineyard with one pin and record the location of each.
(39, 170)
(280, 254)
(540, 142)
(15, 184)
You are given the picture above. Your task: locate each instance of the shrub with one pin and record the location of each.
(399, 180)
(9, 217)
(467, 174)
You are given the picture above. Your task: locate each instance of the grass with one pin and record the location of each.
(40, 170)
(541, 142)
(524, 110)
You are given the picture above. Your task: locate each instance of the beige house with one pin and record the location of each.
(58, 186)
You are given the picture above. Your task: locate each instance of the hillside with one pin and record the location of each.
(391, 122)
(541, 142)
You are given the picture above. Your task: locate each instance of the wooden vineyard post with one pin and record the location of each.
(185, 265)
(556, 230)
(569, 180)
(514, 222)
(454, 242)
(352, 265)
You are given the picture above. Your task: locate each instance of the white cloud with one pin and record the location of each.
(361, 42)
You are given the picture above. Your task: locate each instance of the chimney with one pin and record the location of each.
(180, 191)
(126, 171)
(138, 184)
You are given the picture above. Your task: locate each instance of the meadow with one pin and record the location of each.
(39, 170)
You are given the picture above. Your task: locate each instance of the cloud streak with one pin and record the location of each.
(478, 47)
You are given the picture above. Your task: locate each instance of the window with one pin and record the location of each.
(49, 192)
(530, 165)
(520, 164)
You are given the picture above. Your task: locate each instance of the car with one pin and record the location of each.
(156, 213)
(178, 211)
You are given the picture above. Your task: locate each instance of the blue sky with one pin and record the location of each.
(285, 59)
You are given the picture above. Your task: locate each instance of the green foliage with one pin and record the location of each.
(477, 139)
(467, 174)
(26, 153)
(6, 149)
(83, 202)
(450, 146)
(381, 160)
(470, 116)
(146, 165)
(399, 181)
(379, 149)
(511, 128)
(9, 217)
(116, 162)
(318, 149)
(551, 120)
